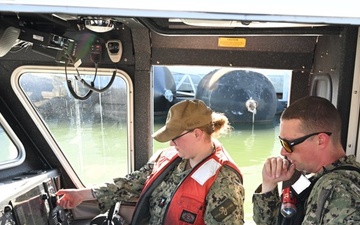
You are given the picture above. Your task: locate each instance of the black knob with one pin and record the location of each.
(44, 196)
(53, 200)
(60, 215)
(7, 209)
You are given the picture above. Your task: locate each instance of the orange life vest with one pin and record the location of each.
(187, 205)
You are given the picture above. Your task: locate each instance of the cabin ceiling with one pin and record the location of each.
(59, 23)
(173, 39)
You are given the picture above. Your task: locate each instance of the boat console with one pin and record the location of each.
(30, 199)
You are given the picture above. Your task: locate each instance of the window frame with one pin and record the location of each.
(16, 141)
(44, 129)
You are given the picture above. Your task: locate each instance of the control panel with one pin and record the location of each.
(32, 201)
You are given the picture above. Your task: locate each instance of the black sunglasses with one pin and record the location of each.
(179, 136)
(288, 145)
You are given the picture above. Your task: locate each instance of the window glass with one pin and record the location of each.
(8, 149)
(12, 151)
(227, 90)
(91, 133)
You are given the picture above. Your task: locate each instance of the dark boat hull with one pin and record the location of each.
(243, 96)
(164, 90)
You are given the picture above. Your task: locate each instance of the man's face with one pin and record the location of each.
(304, 155)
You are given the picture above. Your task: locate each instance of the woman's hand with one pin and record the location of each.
(70, 198)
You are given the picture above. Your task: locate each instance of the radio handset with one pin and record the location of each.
(114, 50)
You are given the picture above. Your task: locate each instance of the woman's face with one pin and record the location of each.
(184, 144)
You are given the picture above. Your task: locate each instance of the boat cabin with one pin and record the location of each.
(83, 87)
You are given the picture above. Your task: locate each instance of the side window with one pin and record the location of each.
(92, 134)
(12, 151)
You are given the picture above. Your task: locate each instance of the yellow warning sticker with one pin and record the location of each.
(231, 42)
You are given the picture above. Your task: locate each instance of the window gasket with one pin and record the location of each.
(16, 141)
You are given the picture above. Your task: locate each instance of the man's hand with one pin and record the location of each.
(276, 169)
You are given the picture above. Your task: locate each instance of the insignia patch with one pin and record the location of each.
(223, 210)
(188, 217)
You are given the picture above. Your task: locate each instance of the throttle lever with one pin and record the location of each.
(112, 217)
(112, 213)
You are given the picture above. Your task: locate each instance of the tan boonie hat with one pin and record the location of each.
(184, 115)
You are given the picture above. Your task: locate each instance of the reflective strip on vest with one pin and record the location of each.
(206, 171)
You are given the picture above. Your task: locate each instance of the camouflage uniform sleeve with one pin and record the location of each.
(335, 199)
(225, 200)
(266, 206)
(122, 189)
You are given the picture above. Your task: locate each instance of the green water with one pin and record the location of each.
(249, 145)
